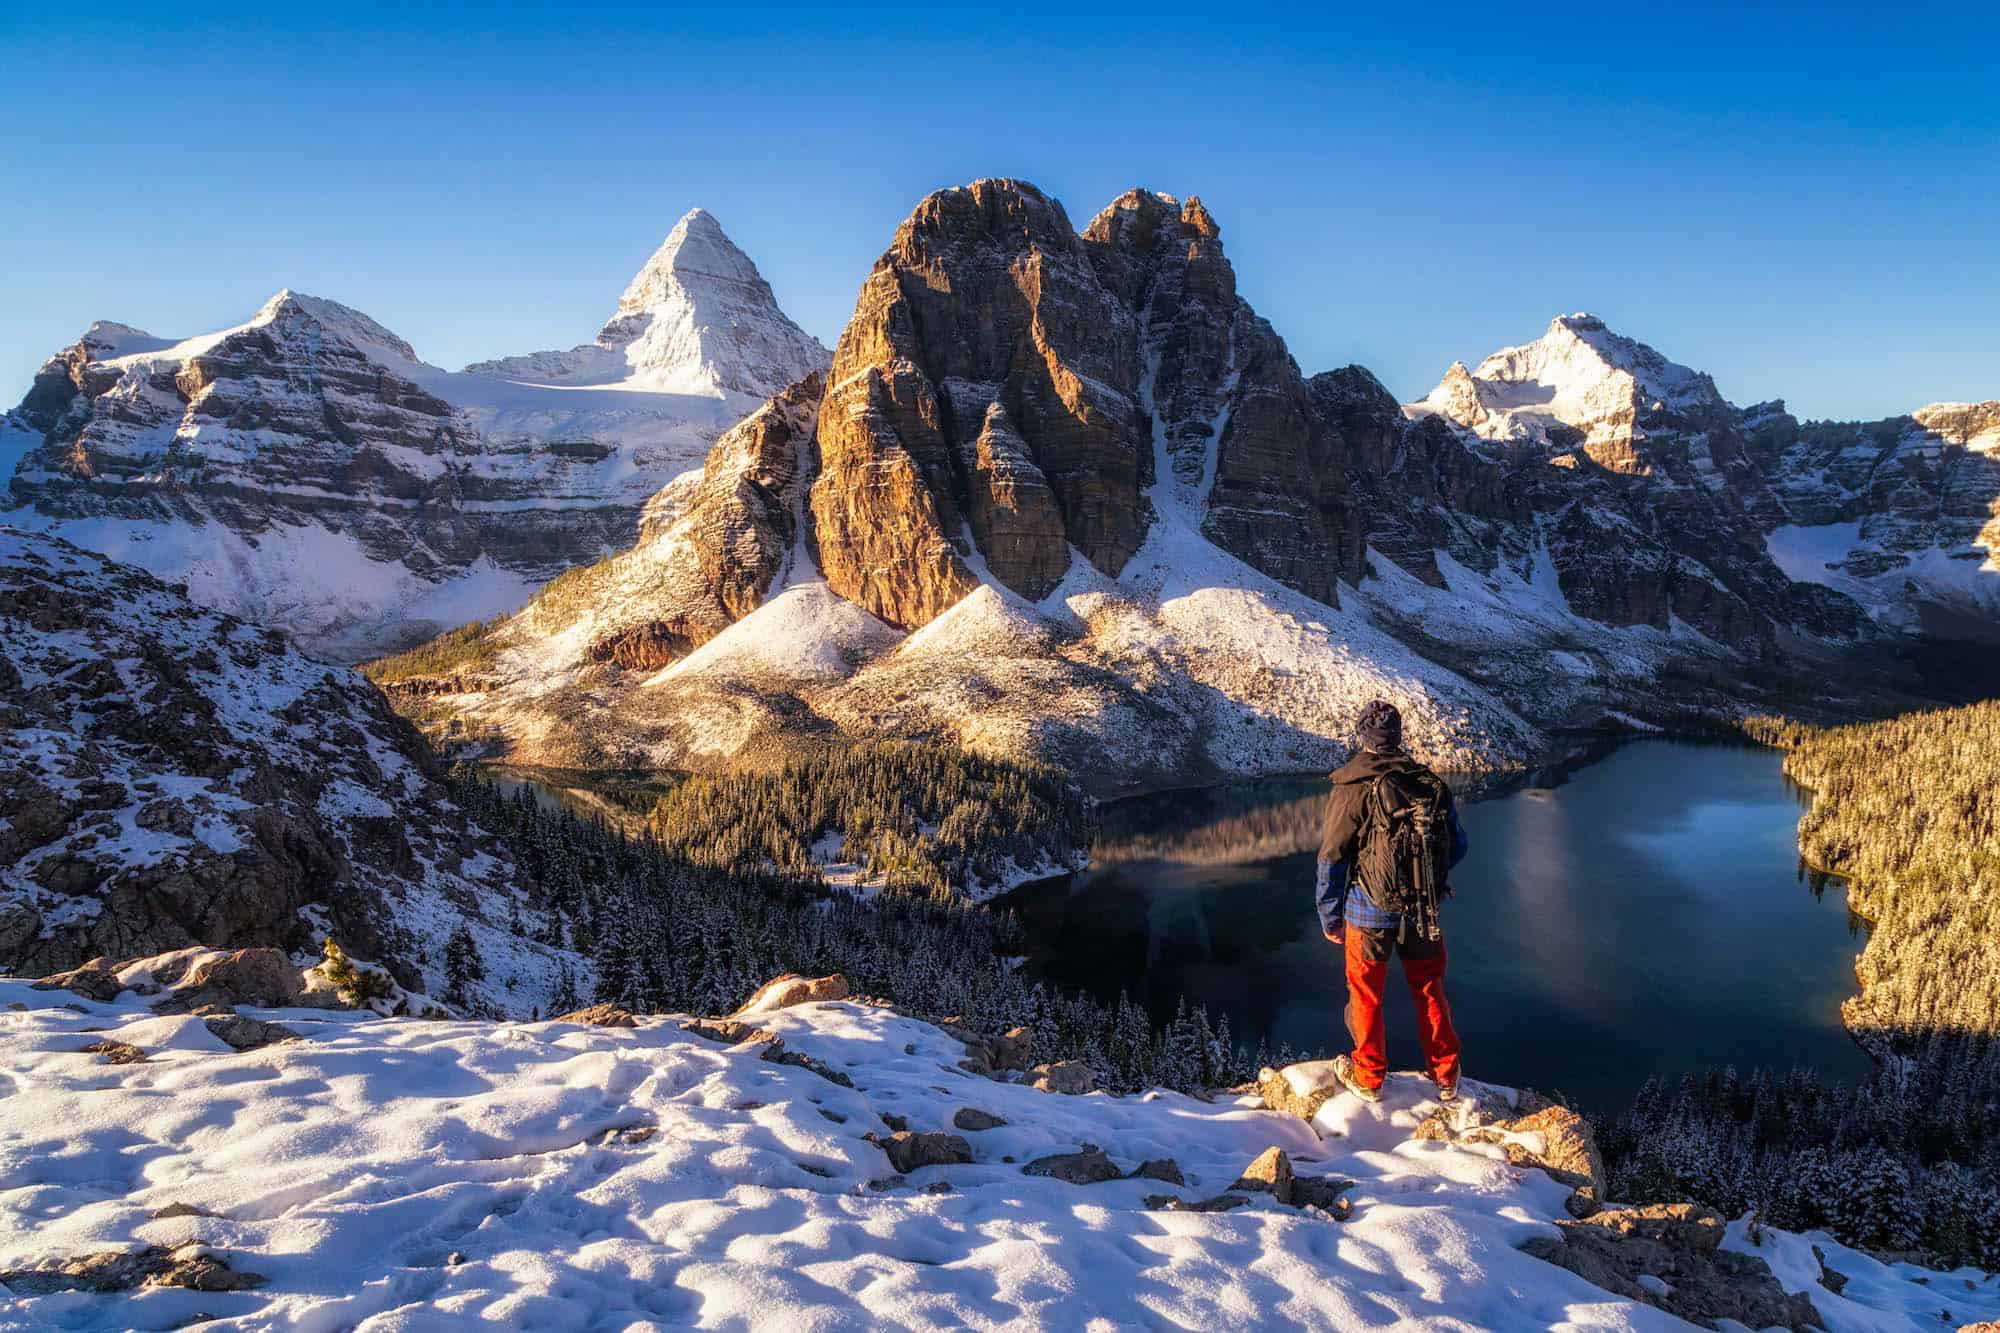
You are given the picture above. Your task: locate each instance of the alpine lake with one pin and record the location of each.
(1640, 912)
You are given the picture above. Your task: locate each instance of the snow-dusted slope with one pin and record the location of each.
(394, 1174)
(172, 777)
(307, 469)
(1902, 515)
(697, 319)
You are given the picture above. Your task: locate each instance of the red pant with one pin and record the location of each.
(1423, 968)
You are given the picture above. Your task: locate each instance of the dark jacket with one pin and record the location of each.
(1340, 835)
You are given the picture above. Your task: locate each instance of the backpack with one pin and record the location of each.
(1406, 846)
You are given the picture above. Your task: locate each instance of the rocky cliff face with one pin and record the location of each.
(308, 470)
(173, 777)
(1012, 388)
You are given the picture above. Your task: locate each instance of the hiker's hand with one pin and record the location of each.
(1338, 935)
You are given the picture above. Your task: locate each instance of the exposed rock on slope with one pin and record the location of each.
(174, 777)
(306, 470)
(1903, 514)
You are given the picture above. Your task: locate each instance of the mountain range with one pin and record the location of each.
(1058, 493)
(1064, 495)
(306, 469)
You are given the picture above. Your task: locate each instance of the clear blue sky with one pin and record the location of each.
(1805, 203)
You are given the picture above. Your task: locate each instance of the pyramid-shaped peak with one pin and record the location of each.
(697, 253)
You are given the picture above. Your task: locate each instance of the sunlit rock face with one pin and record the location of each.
(1119, 358)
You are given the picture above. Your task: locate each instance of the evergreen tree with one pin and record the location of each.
(462, 967)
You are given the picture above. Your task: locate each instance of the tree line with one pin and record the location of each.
(921, 818)
(665, 933)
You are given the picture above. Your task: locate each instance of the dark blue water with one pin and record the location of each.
(1645, 916)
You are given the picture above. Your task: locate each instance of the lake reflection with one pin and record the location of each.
(1646, 916)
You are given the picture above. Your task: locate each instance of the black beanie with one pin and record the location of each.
(1380, 726)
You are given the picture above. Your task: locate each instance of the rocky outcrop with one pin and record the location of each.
(1086, 1166)
(172, 779)
(191, 1266)
(909, 1151)
(1669, 1256)
(599, 1016)
(790, 989)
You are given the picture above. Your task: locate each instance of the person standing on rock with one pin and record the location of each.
(1390, 838)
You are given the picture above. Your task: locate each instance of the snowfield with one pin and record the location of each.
(400, 1174)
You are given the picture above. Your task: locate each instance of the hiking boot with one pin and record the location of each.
(1343, 1069)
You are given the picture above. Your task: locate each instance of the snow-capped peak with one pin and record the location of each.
(1579, 374)
(697, 318)
(696, 252)
(350, 325)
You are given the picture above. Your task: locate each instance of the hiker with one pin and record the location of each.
(1391, 835)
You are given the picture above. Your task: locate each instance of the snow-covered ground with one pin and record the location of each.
(400, 1174)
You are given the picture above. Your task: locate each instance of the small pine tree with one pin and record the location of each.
(356, 985)
(565, 999)
(462, 966)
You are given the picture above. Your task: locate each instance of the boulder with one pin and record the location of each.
(116, 1052)
(1070, 1077)
(790, 989)
(264, 978)
(94, 980)
(973, 1119)
(1170, 1203)
(1568, 1152)
(1670, 1256)
(247, 1034)
(1164, 1169)
(1270, 1172)
(988, 1056)
(601, 1016)
(1087, 1166)
(1299, 1089)
(908, 1151)
(729, 1031)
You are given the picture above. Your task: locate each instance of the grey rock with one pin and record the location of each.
(908, 1151)
(1087, 1166)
